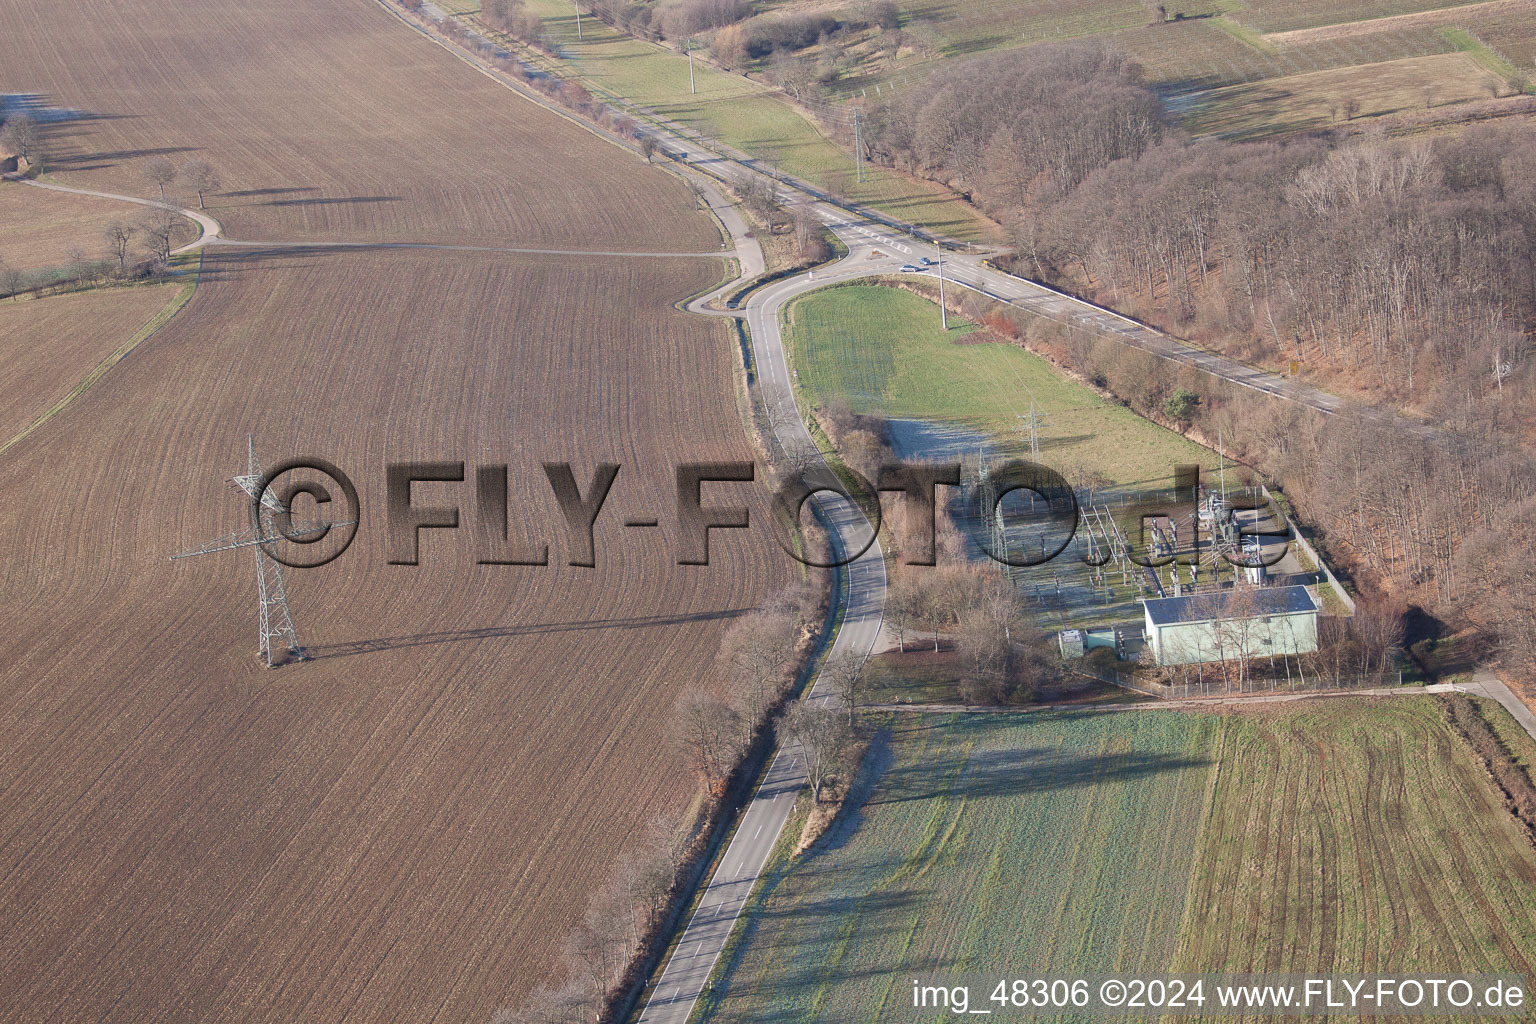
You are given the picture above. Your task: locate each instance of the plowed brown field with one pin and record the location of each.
(41, 227)
(401, 829)
(327, 120)
(405, 828)
(48, 346)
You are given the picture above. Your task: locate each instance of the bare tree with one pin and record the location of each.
(709, 732)
(821, 737)
(791, 72)
(11, 277)
(79, 264)
(22, 135)
(160, 172)
(598, 948)
(1237, 630)
(884, 14)
(200, 177)
(810, 240)
(758, 650)
(989, 632)
(901, 608)
(844, 675)
(157, 227)
(762, 199)
(648, 147)
(569, 1003)
(940, 596)
(648, 876)
(118, 237)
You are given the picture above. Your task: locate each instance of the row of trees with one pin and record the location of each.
(197, 175)
(758, 656)
(134, 249)
(713, 728)
(1003, 656)
(620, 915)
(513, 18)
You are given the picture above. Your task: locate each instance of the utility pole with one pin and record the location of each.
(692, 88)
(858, 148)
(943, 313)
(577, 5)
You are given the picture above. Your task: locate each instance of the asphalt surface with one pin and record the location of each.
(704, 936)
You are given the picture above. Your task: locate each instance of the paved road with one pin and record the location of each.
(706, 932)
(1485, 684)
(863, 229)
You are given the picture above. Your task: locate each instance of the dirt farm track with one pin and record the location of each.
(403, 828)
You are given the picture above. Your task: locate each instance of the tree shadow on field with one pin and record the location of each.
(332, 201)
(321, 652)
(248, 192)
(877, 761)
(82, 159)
(226, 259)
(823, 934)
(981, 44)
(1021, 772)
(1064, 441)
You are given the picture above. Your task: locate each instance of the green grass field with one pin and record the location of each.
(1028, 843)
(1202, 63)
(881, 349)
(1340, 836)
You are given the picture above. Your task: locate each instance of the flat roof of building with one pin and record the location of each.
(1226, 604)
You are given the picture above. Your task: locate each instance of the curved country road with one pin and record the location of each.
(704, 936)
(210, 227)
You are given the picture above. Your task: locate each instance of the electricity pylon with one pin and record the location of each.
(274, 617)
(1034, 422)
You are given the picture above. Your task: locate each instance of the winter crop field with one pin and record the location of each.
(1343, 834)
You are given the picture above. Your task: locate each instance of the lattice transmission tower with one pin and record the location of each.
(274, 618)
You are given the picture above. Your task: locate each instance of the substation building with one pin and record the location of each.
(1256, 622)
